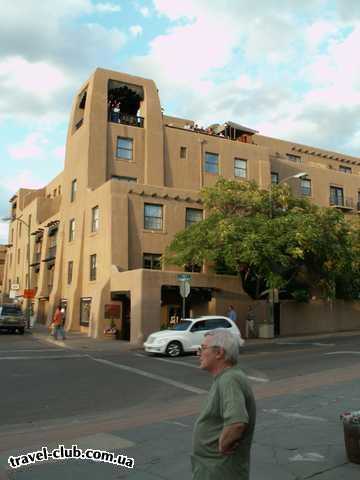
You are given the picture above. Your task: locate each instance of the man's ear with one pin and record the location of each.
(220, 352)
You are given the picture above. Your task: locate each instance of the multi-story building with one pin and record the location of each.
(131, 180)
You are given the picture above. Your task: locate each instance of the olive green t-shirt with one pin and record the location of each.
(230, 400)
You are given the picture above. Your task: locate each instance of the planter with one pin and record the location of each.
(266, 330)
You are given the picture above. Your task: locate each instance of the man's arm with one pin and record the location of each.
(230, 437)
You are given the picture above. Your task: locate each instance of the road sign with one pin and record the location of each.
(15, 286)
(12, 294)
(185, 289)
(184, 277)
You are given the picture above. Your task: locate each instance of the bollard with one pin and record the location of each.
(351, 423)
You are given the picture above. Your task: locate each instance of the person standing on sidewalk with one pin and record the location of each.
(231, 313)
(224, 430)
(58, 323)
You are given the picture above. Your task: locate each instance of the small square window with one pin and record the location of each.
(72, 230)
(344, 169)
(211, 162)
(153, 217)
(93, 267)
(193, 215)
(73, 190)
(152, 261)
(183, 152)
(95, 219)
(124, 148)
(70, 272)
(274, 178)
(240, 168)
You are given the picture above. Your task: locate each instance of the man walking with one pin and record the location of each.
(232, 314)
(58, 323)
(223, 432)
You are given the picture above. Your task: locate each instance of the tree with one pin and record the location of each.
(282, 242)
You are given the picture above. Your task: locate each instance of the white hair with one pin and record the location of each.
(227, 341)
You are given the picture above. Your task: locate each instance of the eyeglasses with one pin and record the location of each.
(204, 347)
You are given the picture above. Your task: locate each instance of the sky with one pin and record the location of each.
(287, 68)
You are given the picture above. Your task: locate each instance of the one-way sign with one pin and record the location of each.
(183, 277)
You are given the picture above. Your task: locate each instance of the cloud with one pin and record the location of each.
(4, 232)
(22, 179)
(31, 148)
(136, 30)
(106, 8)
(59, 152)
(145, 12)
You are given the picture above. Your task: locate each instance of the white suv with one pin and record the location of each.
(187, 335)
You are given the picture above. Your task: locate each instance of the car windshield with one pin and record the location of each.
(12, 310)
(184, 325)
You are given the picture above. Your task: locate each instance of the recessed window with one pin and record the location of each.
(124, 178)
(124, 148)
(211, 162)
(305, 187)
(153, 217)
(240, 168)
(336, 196)
(294, 158)
(95, 219)
(70, 272)
(344, 169)
(93, 267)
(152, 261)
(73, 190)
(274, 178)
(193, 215)
(72, 230)
(85, 308)
(183, 152)
(20, 227)
(18, 256)
(193, 267)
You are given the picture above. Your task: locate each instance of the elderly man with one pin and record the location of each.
(224, 430)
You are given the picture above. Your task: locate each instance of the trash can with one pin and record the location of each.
(351, 423)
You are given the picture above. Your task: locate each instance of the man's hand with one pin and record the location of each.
(230, 438)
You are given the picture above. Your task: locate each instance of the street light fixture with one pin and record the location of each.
(27, 225)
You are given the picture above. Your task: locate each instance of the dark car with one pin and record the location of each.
(12, 318)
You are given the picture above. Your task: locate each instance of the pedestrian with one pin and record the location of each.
(224, 430)
(250, 323)
(57, 323)
(231, 313)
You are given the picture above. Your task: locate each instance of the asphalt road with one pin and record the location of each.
(52, 395)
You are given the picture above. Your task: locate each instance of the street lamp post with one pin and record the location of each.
(27, 225)
(272, 290)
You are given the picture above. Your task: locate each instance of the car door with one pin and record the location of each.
(196, 334)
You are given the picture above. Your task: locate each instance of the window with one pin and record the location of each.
(212, 323)
(293, 158)
(344, 169)
(70, 272)
(124, 148)
(73, 190)
(183, 152)
(193, 215)
(95, 219)
(12, 235)
(358, 206)
(305, 187)
(54, 192)
(72, 230)
(20, 227)
(52, 246)
(211, 162)
(274, 178)
(153, 217)
(336, 196)
(85, 308)
(152, 261)
(93, 267)
(240, 168)
(193, 267)
(18, 256)
(199, 326)
(59, 189)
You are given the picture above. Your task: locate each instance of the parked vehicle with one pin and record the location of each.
(187, 335)
(12, 318)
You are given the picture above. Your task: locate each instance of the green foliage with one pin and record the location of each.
(271, 239)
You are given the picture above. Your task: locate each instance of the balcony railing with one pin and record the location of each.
(342, 202)
(126, 119)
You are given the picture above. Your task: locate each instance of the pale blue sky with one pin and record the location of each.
(287, 68)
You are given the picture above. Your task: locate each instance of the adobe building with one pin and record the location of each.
(131, 180)
(3, 249)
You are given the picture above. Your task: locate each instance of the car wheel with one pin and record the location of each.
(174, 349)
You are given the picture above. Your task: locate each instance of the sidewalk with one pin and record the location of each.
(78, 340)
